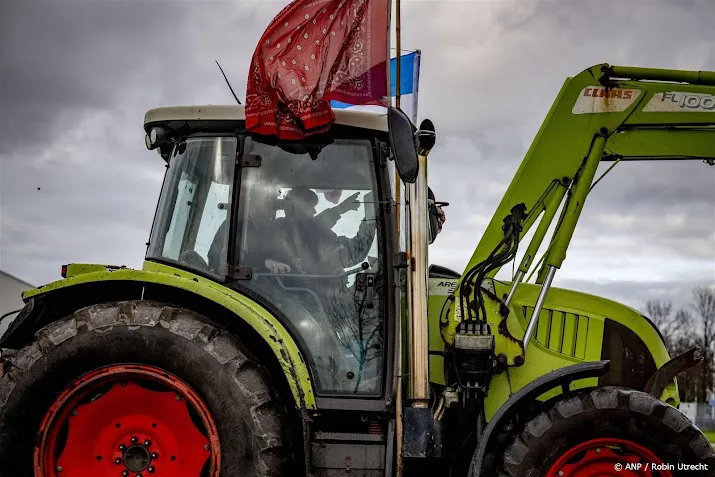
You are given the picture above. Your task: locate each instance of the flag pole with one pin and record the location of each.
(398, 190)
(398, 71)
(398, 55)
(389, 52)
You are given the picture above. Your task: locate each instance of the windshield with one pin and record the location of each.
(310, 229)
(194, 202)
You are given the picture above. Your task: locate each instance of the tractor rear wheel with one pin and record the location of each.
(607, 432)
(137, 389)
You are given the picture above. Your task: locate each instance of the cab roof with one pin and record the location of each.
(362, 119)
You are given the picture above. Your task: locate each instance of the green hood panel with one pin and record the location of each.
(265, 324)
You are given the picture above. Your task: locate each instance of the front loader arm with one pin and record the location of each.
(642, 121)
(604, 113)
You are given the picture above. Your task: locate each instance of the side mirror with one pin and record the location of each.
(402, 141)
(426, 137)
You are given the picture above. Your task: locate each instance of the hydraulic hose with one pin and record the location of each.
(496, 259)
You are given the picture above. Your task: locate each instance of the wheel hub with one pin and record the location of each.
(608, 457)
(137, 458)
(128, 420)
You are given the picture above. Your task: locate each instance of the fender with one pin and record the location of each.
(275, 335)
(523, 397)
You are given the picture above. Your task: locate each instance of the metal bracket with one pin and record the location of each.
(248, 160)
(366, 282)
(399, 260)
(663, 376)
(239, 273)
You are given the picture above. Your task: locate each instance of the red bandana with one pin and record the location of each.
(315, 51)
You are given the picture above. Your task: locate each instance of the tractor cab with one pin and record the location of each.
(296, 226)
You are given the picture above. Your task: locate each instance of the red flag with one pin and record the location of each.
(312, 52)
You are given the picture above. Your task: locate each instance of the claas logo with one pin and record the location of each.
(608, 93)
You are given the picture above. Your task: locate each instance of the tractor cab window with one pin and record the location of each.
(194, 203)
(310, 229)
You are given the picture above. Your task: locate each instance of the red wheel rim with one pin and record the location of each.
(609, 457)
(128, 420)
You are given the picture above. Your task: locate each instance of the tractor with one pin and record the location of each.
(287, 320)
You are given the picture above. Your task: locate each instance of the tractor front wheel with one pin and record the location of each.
(608, 432)
(137, 389)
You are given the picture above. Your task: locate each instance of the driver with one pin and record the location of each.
(432, 204)
(307, 243)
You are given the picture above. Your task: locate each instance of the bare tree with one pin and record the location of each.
(659, 312)
(680, 335)
(704, 298)
(685, 338)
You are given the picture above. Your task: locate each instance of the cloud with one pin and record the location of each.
(78, 77)
(76, 182)
(644, 222)
(499, 63)
(62, 59)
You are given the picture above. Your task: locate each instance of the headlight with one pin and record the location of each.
(156, 137)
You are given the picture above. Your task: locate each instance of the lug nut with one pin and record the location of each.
(117, 461)
(125, 473)
(122, 447)
(147, 443)
(154, 455)
(150, 469)
(134, 440)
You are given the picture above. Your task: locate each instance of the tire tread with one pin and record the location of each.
(641, 411)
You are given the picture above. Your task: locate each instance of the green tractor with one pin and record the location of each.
(286, 320)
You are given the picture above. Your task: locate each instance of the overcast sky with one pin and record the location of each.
(78, 185)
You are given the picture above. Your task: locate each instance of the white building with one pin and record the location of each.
(10, 290)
